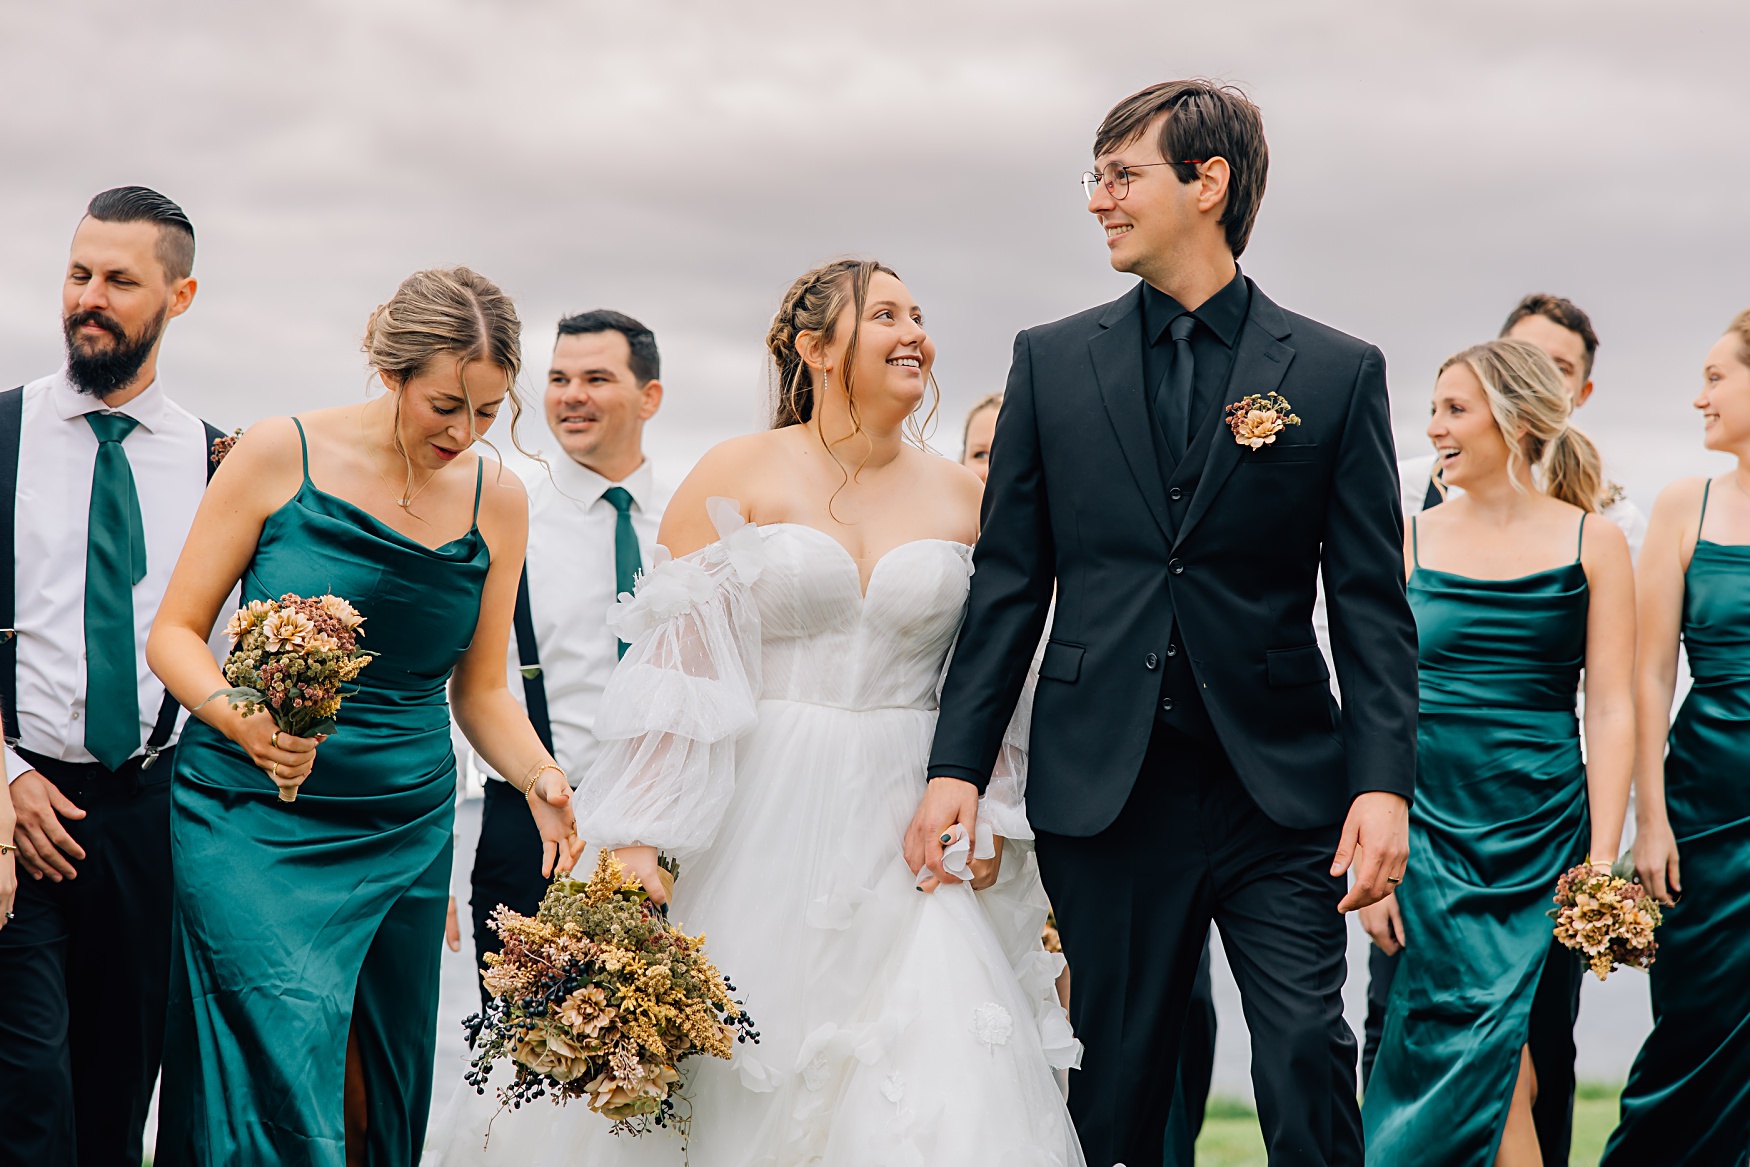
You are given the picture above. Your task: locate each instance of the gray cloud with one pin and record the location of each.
(684, 161)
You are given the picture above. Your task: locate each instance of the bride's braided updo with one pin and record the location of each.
(816, 303)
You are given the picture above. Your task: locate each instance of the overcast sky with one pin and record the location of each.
(683, 161)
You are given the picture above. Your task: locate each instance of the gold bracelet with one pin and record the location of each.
(6, 849)
(535, 776)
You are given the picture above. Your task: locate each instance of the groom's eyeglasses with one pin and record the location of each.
(1116, 179)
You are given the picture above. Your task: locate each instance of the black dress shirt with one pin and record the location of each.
(1219, 320)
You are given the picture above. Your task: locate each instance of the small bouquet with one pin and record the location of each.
(1606, 917)
(600, 997)
(291, 659)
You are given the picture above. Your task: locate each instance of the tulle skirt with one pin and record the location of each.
(897, 1029)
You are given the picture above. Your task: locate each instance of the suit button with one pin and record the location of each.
(1176, 566)
(1152, 661)
(1176, 494)
(1166, 704)
(1172, 650)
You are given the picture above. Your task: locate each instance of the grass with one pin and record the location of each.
(1230, 1129)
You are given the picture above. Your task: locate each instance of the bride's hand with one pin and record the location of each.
(985, 871)
(643, 862)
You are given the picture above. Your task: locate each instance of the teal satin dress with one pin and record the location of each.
(1499, 814)
(297, 922)
(1688, 1095)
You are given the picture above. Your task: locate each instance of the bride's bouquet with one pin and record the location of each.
(1606, 917)
(600, 997)
(293, 659)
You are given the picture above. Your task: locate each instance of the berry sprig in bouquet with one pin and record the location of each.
(293, 659)
(1607, 917)
(600, 997)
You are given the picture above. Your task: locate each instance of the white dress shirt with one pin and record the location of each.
(571, 589)
(57, 453)
(1414, 475)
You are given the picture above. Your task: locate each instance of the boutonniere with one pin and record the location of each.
(1257, 418)
(222, 446)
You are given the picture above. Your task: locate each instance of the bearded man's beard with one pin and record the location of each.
(98, 369)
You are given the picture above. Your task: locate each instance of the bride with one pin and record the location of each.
(768, 728)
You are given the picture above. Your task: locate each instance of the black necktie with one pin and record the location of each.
(1173, 397)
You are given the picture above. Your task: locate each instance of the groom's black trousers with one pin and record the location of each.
(84, 976)
(1134, 904)
(507, 866)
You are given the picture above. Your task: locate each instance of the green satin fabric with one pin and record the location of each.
(296, 921)
(1499, 814)
(1688, 1095)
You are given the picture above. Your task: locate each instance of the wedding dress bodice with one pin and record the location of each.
(823, 642)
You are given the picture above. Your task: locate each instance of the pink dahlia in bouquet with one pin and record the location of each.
(1606, 917)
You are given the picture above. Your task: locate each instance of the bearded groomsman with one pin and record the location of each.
(105, 472)
(592, 528)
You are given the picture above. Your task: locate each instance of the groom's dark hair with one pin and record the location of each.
(1205, 120)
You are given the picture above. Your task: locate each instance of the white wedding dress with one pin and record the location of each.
(769, 727)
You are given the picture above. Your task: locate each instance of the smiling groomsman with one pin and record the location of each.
(592, 528)
(105, 473)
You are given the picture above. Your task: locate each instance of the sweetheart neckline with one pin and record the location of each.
(862, 588)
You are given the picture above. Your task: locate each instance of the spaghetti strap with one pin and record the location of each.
(1415, 544)
(1701, 519)
(1581, 541)
(303, 448)
(479, 478)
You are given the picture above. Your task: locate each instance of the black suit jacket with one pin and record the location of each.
(1231, 539)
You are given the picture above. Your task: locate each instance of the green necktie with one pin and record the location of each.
(626, 557)
(115, 560)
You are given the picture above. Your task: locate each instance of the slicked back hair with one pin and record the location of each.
(646, 362)
(1205, 119)
(1557, 310)
(140, 204)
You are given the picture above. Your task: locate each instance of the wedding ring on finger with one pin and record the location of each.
(1394, 880)
(274, 741)
(273, 770)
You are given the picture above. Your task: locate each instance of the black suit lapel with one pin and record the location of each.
(1260, 362)
(1117, 355)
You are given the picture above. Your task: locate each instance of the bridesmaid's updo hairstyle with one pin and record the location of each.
(453, 310)
(1527, 398)
(1740, 327)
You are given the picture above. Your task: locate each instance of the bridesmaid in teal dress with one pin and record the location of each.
(307, 937)
(1518, 587)
(1688, 1095)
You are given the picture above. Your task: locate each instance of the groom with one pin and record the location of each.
(1188, 762)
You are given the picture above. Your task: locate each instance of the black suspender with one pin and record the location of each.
(11, 435)
(529, 657)
(1433, 498)
(11, 427)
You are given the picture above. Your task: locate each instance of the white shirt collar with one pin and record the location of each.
(585, 487)
(151, 408)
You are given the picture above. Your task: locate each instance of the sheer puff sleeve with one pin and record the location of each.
(685, 691)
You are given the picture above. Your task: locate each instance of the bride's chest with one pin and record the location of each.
(811, 587)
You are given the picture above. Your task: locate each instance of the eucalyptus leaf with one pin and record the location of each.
(236, 696)
(1624, 867)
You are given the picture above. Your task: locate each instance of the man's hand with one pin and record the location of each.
(1384, 924)
(946, 801)
(1376, 844)
(43, 843)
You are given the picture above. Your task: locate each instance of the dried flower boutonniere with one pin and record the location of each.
(1257, 418)
(222, 446)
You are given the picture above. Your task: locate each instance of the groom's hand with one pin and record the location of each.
(946, 801)
(1375, 845)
